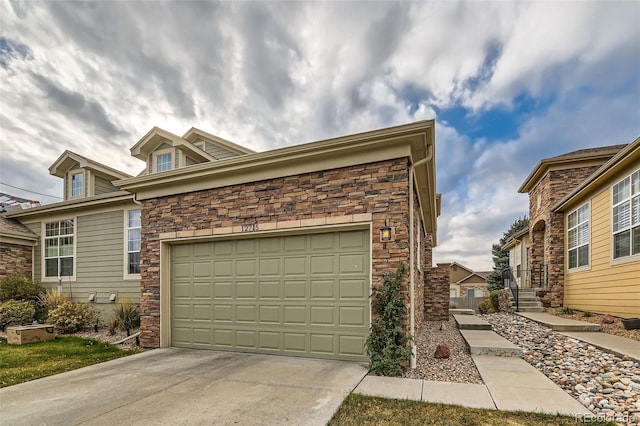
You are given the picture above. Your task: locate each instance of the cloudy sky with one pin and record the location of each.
(508, 84)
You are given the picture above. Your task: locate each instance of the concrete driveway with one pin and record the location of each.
(185, 386)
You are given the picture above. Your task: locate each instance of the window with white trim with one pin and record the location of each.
(58, 248)
(133, 242)
(626, 216)
(578, 237)
(164, 161)
(453, 292)
(77, 184)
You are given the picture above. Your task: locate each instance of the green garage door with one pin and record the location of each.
(304, 295)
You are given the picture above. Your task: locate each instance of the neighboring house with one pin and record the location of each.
(464, 282)
(584, 228)
(228, 249)
(519, 247)
(16, 240)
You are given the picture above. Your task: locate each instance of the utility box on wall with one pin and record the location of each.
(22, 335)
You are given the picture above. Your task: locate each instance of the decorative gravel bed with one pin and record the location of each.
(606, 384)
(102, 335)
(616, 328)
(459, 368)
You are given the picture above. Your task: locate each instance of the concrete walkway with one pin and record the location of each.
(558, 323)
(487, 342)
(471, 322)
(607, 342)
(511, 384)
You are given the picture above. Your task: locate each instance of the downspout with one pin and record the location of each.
(412, 255)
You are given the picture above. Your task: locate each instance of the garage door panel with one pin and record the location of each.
(304, 295)
(246, 313)
(270, 267)
(295, 266)
(246, 339)
(352, 316)
(269, 289)
(245, 289)
(322, 289)
(246, 268)
(295, 289)
(223, 290)
(269, 314)
(223, 268)
(269, 340)
(353, 289)
(352, 263)
(322, 315)
(202, 290)
(295, 315)
(223, 313)
(322, 265)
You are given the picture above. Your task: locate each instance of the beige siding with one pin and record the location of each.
(103, 186)
(100, 259)
(459, 274)
(37, 254)
(218, 151)
(605, 288)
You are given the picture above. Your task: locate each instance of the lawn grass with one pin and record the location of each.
(366, 410)
(23, 363)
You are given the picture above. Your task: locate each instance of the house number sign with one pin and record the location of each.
(250, 228)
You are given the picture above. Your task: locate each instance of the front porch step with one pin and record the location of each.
(486, 342)
(531, 309)
(471, 322)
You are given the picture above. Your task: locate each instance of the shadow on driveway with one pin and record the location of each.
(186, 386)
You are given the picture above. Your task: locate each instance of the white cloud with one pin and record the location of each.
(101, 74)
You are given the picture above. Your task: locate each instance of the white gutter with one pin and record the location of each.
(412, 255)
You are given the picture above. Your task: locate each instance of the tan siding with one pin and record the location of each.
(100, 259)
(218, 151)
(605, 288)
(103, 186)
(36, 228)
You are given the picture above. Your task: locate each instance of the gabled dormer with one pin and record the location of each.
(84, 177)
(164, 151)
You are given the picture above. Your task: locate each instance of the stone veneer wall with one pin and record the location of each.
(436, 293)
(549, 226)
(380, 188)
(16, 259)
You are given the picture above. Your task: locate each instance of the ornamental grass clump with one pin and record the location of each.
(127, 315)
(388, 343)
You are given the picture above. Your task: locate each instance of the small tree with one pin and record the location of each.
(500, 256)
(388, 342)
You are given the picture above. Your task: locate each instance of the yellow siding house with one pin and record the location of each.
(602, 238)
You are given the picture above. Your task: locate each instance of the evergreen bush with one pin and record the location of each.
(388, 343)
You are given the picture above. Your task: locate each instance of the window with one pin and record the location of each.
(578, 237)
(453, 292)
(518, 261)
(164, 162)
(475, 292)
(626, 216)
(58, 248)
(133, 242)
(77, 184)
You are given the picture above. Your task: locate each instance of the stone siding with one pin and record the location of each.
(381, 189)
(436, 293)
(16, 259)
(546, 229)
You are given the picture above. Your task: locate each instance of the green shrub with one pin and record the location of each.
(388, 343)
(493, 297)
(567, 310)
(16, 312)
(127, 314)
(19, 287)
(70, 317)
(486, 307)
(587, 314)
